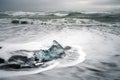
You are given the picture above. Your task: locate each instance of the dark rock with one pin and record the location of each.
(15, 21)
(24, 22)
(10, 66)
(18, 58)
(0, 47)
(43, 23)
(67, 48)
(2, 60)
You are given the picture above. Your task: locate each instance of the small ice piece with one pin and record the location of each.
(54, 52)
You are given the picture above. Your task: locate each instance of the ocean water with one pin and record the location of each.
(97, 35)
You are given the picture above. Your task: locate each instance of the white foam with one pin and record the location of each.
(21, 13)
(73, 57)
(61, 14)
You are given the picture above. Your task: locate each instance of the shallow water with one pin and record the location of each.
(100, 41)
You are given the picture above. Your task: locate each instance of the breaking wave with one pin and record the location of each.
(102, 17)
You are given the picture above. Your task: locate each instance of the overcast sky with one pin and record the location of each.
(59, 5)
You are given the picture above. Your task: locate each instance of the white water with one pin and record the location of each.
(97, 42)
(73, 56)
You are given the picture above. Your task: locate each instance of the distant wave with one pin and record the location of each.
(102, 16)
(34, 15)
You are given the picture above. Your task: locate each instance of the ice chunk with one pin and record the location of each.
(39, 57)
(54, 52)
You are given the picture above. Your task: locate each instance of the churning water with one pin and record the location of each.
(96, 35)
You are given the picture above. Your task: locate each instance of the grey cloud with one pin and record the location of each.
(106, 2)
(49, 5)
